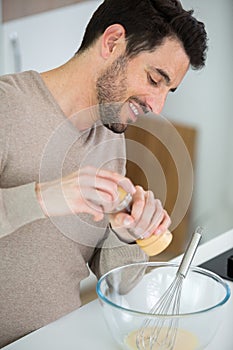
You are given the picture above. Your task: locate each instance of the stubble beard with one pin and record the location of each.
(111, 89)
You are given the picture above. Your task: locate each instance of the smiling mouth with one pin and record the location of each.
(137, 109)
(134, 109)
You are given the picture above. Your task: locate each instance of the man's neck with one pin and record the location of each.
(73, 87)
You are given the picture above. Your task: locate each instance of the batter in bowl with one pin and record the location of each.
(185, 340)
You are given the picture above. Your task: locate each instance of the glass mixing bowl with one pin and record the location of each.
(128, 293)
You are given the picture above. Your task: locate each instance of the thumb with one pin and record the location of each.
(122, 220)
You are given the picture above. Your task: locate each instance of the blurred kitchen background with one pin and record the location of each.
(41, 35)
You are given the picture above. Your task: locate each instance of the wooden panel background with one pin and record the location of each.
(13, 9)
(162, 155)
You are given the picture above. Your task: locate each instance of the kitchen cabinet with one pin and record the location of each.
(13, 9)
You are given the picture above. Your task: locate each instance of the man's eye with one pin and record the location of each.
(151, 81)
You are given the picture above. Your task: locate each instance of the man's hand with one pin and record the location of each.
(89, 190)
(147, 217)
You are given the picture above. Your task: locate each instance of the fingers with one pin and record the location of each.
(105, 180)
(94, 191)
(100, 186)
(164, 224)
(147, 215)
(156, 218)
(138, 203)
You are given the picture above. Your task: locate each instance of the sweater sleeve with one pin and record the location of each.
(18, 206)
(115, 253)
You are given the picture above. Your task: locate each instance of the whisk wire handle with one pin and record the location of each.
(190, 252)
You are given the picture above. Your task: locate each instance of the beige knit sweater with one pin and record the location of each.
(42, 261)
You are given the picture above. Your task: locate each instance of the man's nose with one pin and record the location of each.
(157, 103)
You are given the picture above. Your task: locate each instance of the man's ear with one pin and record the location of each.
(113, 38)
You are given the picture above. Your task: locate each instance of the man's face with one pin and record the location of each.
(131, 87)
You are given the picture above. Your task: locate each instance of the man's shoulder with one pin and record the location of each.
(19, 94)
(20, 91)
(17, 83)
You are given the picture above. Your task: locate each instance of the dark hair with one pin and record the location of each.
(147, 23)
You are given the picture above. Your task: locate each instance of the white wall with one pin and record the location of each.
(49, 39)
(203, 100)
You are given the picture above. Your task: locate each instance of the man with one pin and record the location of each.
(62, 157)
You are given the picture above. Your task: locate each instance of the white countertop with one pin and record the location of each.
(85, 328)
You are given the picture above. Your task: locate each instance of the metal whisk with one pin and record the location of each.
(153, 335)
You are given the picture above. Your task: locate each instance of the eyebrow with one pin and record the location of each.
(164, 75)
